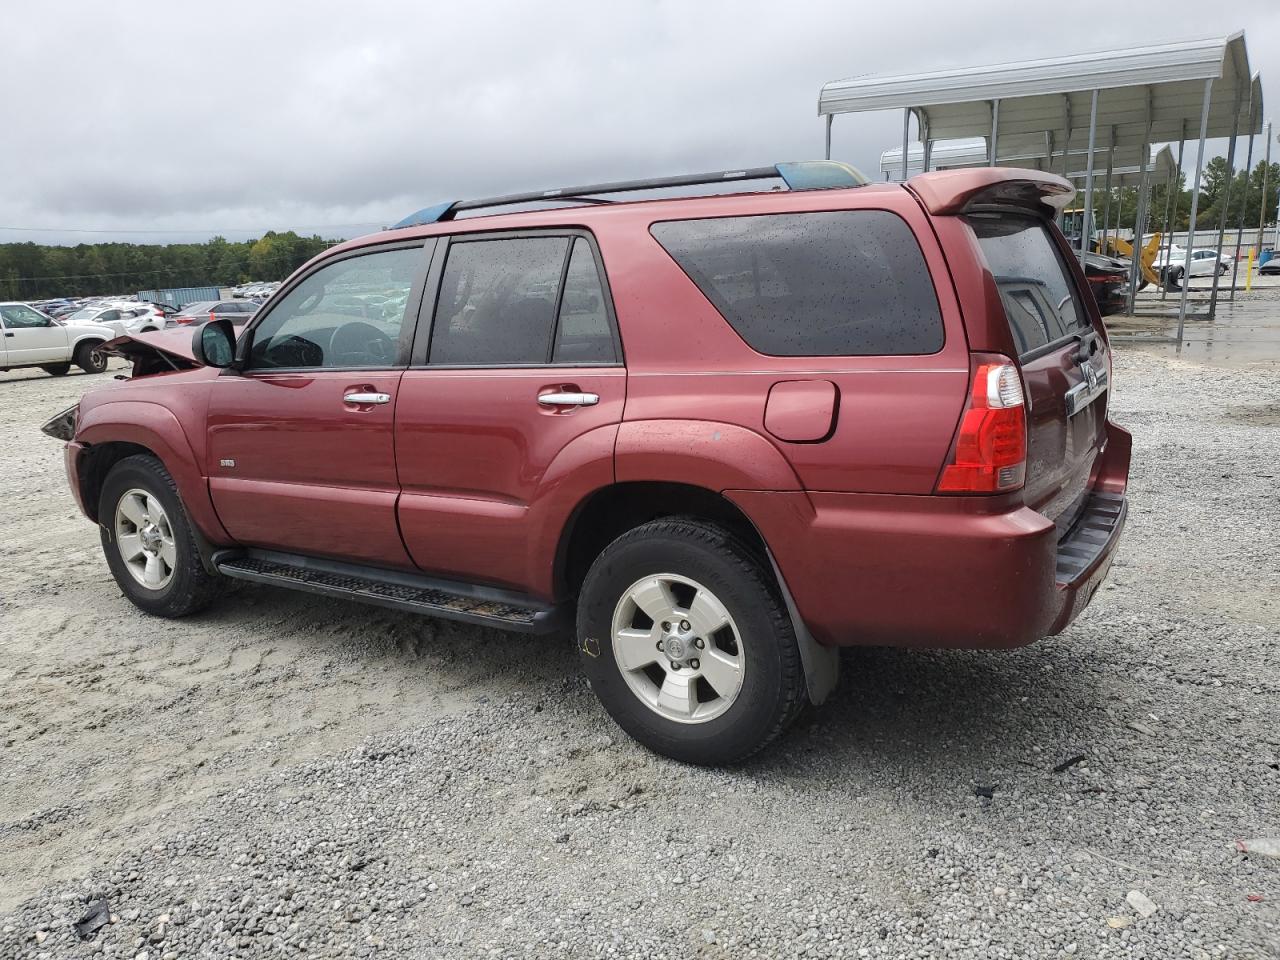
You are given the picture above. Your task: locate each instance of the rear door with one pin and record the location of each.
(301, 447)
(1064, 360)
(517, 391)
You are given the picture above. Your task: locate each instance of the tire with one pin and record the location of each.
(691, 558)
(188, 587)
(89, 358)
(57, 369)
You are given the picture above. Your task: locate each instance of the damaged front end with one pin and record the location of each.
(62, 426)
(162, 351)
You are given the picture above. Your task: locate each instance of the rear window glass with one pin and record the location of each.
(1040, 299)
(849, 283)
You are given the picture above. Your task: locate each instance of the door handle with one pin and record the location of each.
(569, 399)
(367, 398)
(9, 333)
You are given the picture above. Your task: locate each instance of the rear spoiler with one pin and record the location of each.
(955, 191)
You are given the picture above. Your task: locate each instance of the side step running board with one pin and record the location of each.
(399, 590)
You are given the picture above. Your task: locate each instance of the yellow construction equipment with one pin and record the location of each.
(1123, 248)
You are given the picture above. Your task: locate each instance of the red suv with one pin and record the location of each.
(716, 437)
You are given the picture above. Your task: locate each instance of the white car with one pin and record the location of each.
(122, 318)
(1201, 263)
(28, 338)
(137, 318)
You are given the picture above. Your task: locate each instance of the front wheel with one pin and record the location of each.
(90, 358)
(687, 643)
(148, 540)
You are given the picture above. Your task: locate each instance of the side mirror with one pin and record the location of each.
(214, 343)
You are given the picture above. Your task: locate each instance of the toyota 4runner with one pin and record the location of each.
(717, 437)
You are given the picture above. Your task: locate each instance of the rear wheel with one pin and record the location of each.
(90, 358)
(148, 540)
(57, 369)
(687, 643)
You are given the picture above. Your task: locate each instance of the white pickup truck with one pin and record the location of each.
(30, 339)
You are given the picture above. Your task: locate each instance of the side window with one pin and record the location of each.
(497, 302)
(346, 314)
(19, 317)
(111, 316)
(843, 284)
(583, 333)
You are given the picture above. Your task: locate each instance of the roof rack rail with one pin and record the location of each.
(798, 175)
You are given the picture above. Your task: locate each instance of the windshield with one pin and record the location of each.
(86, 314)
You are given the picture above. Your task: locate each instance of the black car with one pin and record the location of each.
(1109, 280)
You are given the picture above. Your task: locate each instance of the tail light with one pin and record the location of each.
(212, 316)
(181, 318)
(990, 451)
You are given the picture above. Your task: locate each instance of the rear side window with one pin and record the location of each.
(583, 333)
(841, 284)
(1040, 299)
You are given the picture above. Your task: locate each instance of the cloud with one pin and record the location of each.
(335, 117)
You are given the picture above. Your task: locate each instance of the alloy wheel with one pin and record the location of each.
(678, 648)
(145, 540)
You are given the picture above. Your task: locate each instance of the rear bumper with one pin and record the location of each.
(871, 569)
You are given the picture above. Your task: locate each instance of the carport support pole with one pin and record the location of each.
(1086, 226)
(1140, 216)
(1248, 167)
(1106, 205)
(830, 117)
(1195, 209)
(993, 151)
(906, 133)
(1168, 215)
(1226, 205)
(1262, 214)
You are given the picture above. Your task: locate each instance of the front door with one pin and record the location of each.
(519, 390)
(31, 338)
(301, 454)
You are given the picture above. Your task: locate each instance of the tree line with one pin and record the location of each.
(33, 271)
(1241, 197)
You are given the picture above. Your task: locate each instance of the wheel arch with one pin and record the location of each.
(608, 512)
(93, 339)
(111, 431)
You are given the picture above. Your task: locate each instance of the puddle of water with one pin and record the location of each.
(1244, 332)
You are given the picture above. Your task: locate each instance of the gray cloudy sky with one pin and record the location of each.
(335, 117)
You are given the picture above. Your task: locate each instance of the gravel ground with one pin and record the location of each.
(285, 776)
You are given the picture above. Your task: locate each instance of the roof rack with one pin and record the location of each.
(798, 175)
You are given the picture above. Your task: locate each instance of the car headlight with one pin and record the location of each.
(63, 426)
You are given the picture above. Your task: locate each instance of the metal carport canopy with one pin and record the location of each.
(1126, 170)
(1163, 83)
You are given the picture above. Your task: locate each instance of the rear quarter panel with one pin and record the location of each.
(895, 416)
